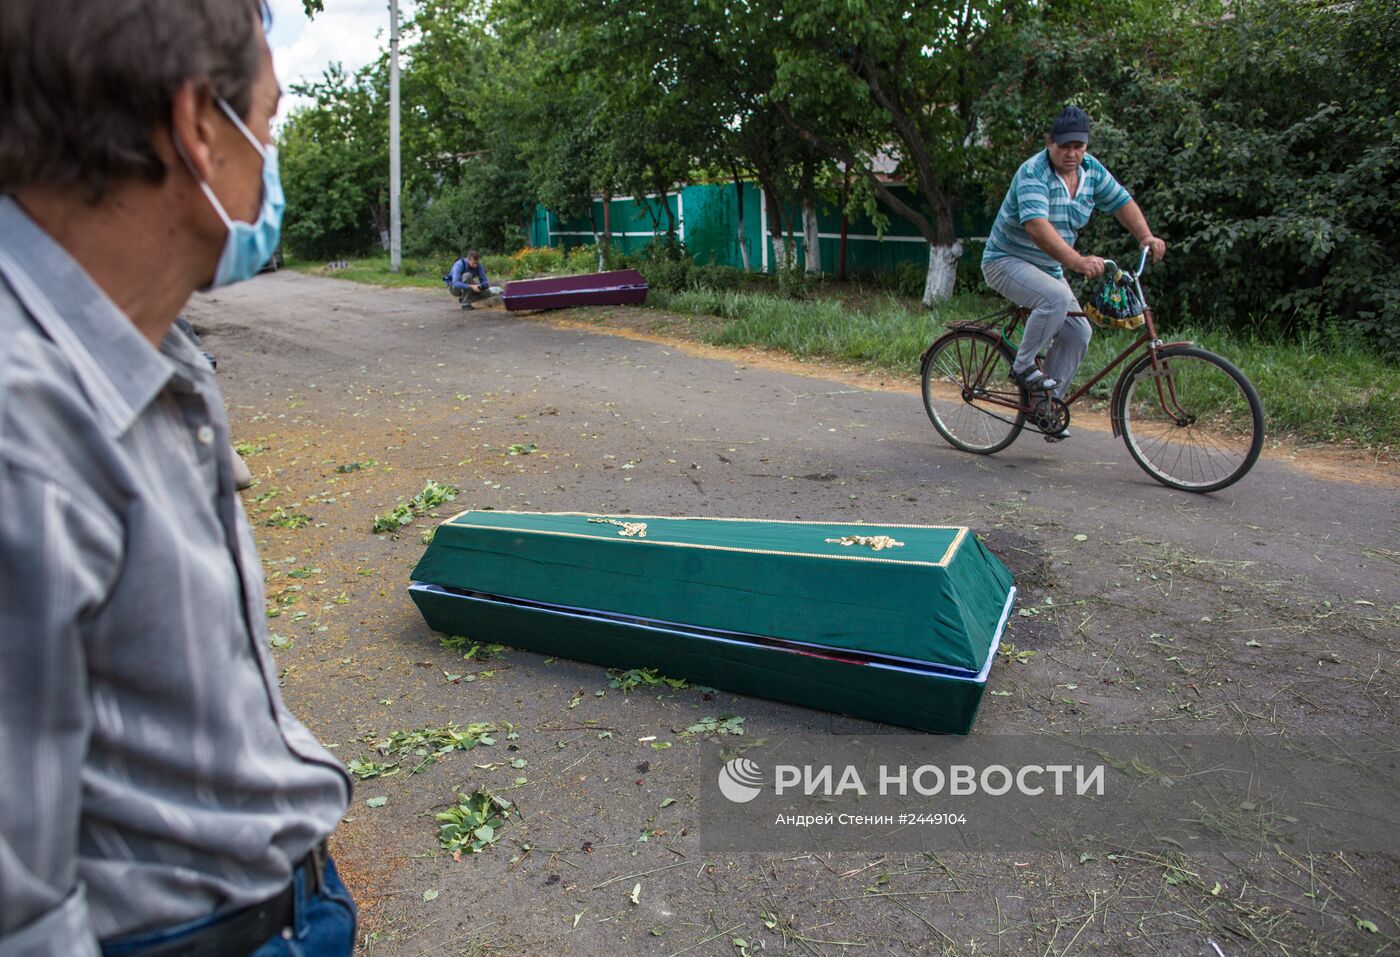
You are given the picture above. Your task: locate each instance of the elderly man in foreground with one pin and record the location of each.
(159, 798)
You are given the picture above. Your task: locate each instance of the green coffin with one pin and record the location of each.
(896, 623)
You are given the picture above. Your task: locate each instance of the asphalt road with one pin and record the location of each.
(1279, 597)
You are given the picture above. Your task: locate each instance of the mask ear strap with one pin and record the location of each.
(242, 128)
(208, 193)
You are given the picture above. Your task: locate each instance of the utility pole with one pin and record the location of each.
(395, 213)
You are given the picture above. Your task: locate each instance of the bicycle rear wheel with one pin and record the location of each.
(968, 392)
(1195, 423)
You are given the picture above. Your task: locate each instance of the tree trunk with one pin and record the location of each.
(845, 227)
(670, 219)
(811, 237)
(605, 248)
(776, 232)
(942, 272)
(743, 244)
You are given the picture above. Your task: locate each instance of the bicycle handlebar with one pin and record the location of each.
(1134, 276)
(1142, 264)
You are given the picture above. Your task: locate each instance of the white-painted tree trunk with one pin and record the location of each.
(744, 247)
(779, 255)
(598, 248)
(811, 238)
(942, 271)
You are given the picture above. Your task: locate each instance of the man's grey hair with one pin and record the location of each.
(86, 84)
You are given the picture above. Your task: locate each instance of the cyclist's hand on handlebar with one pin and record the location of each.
(1158, 248)
(1091, 266)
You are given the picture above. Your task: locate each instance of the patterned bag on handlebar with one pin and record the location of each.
(1116, 303)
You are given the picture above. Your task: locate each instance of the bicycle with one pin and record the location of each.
(1189, 417)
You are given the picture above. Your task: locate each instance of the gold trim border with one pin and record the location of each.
(952, 549)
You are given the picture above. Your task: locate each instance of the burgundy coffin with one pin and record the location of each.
(618, 288)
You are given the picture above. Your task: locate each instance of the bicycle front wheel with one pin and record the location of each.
(1193, 423)
(968, 392)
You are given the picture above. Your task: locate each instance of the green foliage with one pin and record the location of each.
(724, 724)
(332, 159)
(443, 740)
(403, 514)
(1263, 145)
(626, 681)
(474, 823)
(368, 770)
(282, 518)
(486, 209)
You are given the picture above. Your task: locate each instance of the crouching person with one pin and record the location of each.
(159, 798)
(467, 281)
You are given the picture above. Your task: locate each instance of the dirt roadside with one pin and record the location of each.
(1269, 610)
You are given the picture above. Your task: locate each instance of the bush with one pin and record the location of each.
(534, 260)
(581, 259)
(1264, 146)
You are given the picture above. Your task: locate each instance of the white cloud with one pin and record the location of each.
(351, 32)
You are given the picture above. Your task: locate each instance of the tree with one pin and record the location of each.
(1264, 145)
(333, 158)
(860, 77)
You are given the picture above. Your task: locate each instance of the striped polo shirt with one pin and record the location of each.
(1037, 192)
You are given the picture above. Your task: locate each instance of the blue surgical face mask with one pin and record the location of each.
(248, 246)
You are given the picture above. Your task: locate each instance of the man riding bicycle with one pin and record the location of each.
(1032, 242)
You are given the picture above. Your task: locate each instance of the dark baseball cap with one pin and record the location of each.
(1072, 125)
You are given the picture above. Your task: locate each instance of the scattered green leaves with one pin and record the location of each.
(285, 519)
(518, 449)
(355, 466)
(474, 824)
(725, 724)
(377, 801)
(428, 741)
(365, 770)
(626, 681)
(403, 514)
(1011, 653)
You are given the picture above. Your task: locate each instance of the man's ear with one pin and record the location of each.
(192, 127)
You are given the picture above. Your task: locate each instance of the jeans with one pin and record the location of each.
(1049, 299)
(323, 924)
(468, 294)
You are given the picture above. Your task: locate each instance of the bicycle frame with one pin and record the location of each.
(1146, 339)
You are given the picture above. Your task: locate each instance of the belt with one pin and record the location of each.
(241, 932)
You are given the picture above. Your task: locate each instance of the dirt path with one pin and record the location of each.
(1269, 608)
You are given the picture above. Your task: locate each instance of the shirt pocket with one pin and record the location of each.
(1079, 212)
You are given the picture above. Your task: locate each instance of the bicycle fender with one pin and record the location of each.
(1114, 418)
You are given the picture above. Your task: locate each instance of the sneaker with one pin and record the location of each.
(1060, 437)
(1033, 380)
(467, 305)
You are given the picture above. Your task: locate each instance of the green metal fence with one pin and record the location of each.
(707, 215)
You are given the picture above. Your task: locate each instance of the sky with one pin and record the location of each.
(349, 31)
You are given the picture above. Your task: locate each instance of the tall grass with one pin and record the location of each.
(1332, 390)
(1318, 391)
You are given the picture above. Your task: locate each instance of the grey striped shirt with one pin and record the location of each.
(151, 774)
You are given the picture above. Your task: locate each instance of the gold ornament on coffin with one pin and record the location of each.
(875, 542)
(629, 529)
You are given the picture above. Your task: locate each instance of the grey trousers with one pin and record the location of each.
(1049, 299)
